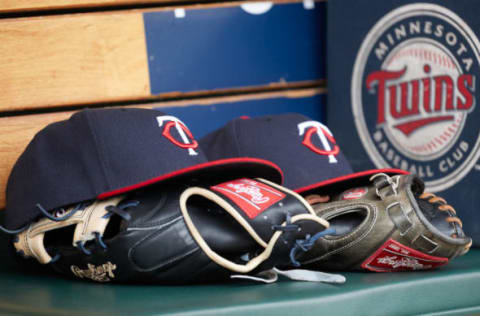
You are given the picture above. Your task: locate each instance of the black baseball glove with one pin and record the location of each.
(176, 235)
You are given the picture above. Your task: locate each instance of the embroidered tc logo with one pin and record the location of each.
(310, 128)
(189, 142)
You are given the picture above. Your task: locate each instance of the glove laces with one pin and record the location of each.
(271, 276)
(307, 244)
(300, 244)
(111, 209)
(433, 199)
(61, 214)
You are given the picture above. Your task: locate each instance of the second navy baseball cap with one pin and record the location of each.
(105, 152)
(304, 149)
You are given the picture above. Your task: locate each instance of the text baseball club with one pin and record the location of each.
(424, 170)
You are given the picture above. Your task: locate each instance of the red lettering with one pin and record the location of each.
(403, 98)
(463, 82)
(379, 78)
(404, 110)
(426, 95)
(443, 86)
(415, 97)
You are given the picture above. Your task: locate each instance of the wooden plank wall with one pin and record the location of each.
(54, 64)
(8, 6)
(66, 60)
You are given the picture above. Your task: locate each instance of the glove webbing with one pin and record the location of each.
(387, 190)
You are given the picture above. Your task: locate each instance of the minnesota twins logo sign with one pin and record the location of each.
(187, 141)
(414, 91)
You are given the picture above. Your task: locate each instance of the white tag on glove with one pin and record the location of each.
(271, 276)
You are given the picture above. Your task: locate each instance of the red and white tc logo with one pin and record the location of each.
(168, 121)
(310, 128)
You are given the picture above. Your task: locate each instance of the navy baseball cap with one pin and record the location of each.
(304, 149)
(105, 152)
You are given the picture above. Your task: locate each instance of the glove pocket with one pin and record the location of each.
(161, 249)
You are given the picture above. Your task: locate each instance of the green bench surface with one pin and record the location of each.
(452, 290)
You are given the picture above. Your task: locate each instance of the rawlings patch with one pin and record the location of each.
(251, 196)
(354, 194)
(392, 256)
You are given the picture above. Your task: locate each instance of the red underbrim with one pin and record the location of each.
(353, 176)
(240, 167)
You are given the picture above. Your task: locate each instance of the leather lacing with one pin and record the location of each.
(61, 214)
(111, 209)
(300, 244)
(433, 199)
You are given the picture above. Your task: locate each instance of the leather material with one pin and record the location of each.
(170, 237)
(367, 218)
(30, 243)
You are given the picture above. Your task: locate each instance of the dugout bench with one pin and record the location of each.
(452, 290)
(195, 61)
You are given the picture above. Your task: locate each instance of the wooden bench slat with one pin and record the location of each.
(73, 59)
(15, 6)
(38, 5)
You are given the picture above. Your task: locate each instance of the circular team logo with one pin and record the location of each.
(414, 89)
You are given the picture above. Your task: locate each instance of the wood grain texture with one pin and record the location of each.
(72, 59)
(10, 6)
(38, 5)
(17, 131)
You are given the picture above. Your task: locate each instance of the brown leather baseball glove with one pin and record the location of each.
(390, 224)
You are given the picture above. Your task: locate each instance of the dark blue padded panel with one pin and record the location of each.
(227, 47)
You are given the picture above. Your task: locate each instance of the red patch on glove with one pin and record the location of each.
(354, 194)
(392, 256)
(253, 197)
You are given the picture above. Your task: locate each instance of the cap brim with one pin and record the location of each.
(347, 181)
(222, 169)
